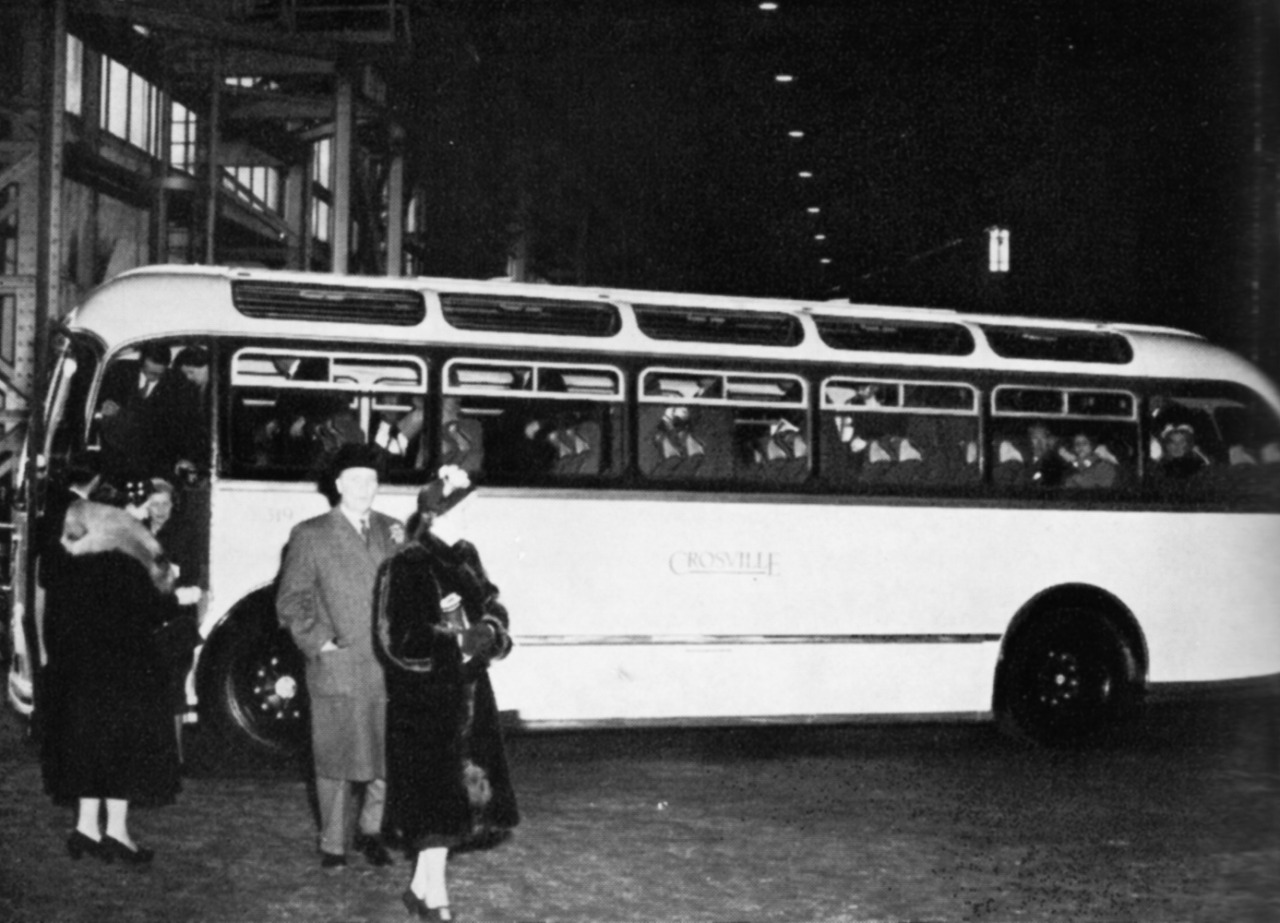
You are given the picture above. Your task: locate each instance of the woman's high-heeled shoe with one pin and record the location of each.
(80, 845)
(416, 906)
(117, 850)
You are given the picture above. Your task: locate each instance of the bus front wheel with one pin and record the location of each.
(252, 689)
(1069, 677)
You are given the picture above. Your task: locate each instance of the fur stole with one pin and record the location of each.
(91, 528)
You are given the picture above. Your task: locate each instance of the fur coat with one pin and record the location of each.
(106, 717)
(90, 528)
(447, 776)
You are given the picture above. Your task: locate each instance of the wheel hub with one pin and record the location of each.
(1060, 679)
(275, 689)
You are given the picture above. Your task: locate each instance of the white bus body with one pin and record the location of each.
(637, 600)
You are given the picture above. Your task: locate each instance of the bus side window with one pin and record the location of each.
(1224, 444)
(151, 419)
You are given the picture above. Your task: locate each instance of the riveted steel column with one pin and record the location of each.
(213, 172)
(395, 204)
(49, 253)
(343, 137)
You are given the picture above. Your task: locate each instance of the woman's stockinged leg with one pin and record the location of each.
(429, 876)
(88, 818)
(118, 822)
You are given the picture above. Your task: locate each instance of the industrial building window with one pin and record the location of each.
(183, 126)
(75, 76)
(129, 106)
(321, 176)
(8, 328)
(9, 230)
(259, 186)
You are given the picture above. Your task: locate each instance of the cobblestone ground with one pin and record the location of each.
(1177, 821)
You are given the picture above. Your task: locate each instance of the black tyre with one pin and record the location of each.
(1068, 677)
(252, 687)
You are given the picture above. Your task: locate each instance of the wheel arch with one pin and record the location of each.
(1097, 601)
(257, 607)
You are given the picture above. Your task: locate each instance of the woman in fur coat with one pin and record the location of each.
(437, 626)
(108, 736)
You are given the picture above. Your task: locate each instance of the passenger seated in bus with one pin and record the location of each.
(908, 462)
(843, 449)
(782, 452)
(577, 444)
(677, 451)
(342, 427)
(515, 447)
(399, 434)
(1180, 459)
(955, 450)
(882, 455)
(461, 438)
(947, 449)
(1041, 461)
(1093, 465)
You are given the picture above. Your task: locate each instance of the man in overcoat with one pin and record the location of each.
(325, 600)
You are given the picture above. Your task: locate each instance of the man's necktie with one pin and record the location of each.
(364, 531)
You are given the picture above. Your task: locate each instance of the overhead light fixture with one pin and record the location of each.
(998, 249)
(795, 133)
(813, 209)
(819, 236)
(768, 7)
(825, 260)
(805, 174)
(785, 78)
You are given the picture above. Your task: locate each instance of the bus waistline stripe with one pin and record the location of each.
(723, 640)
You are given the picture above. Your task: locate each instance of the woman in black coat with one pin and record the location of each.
(437, 626)
(108, 728)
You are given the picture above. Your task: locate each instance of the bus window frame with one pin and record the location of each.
(533, 379)
(419, 387)
(724, 376)
(729, 468)
(533, 391)
(1063, 414)
(975, 409)
(233, 351)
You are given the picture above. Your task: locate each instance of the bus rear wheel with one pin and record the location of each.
(252, 689)
(1069, 677)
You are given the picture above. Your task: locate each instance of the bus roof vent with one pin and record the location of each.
(332, 303)
(883, 335)
(747, 328)
(514, 314)
(1058, 345)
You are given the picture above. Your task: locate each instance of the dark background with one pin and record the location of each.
(644, 144)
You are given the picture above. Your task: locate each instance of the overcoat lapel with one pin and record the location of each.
(349, 543)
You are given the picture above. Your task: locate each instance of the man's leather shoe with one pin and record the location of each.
(330, 860)
(373, 849)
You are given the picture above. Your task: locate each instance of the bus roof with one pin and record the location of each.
(177, 301)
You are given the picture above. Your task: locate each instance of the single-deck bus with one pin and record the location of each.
(718, 510)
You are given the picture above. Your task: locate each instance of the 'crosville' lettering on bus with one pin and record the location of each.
(728, 563)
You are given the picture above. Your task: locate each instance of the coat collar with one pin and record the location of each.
(380, 543)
